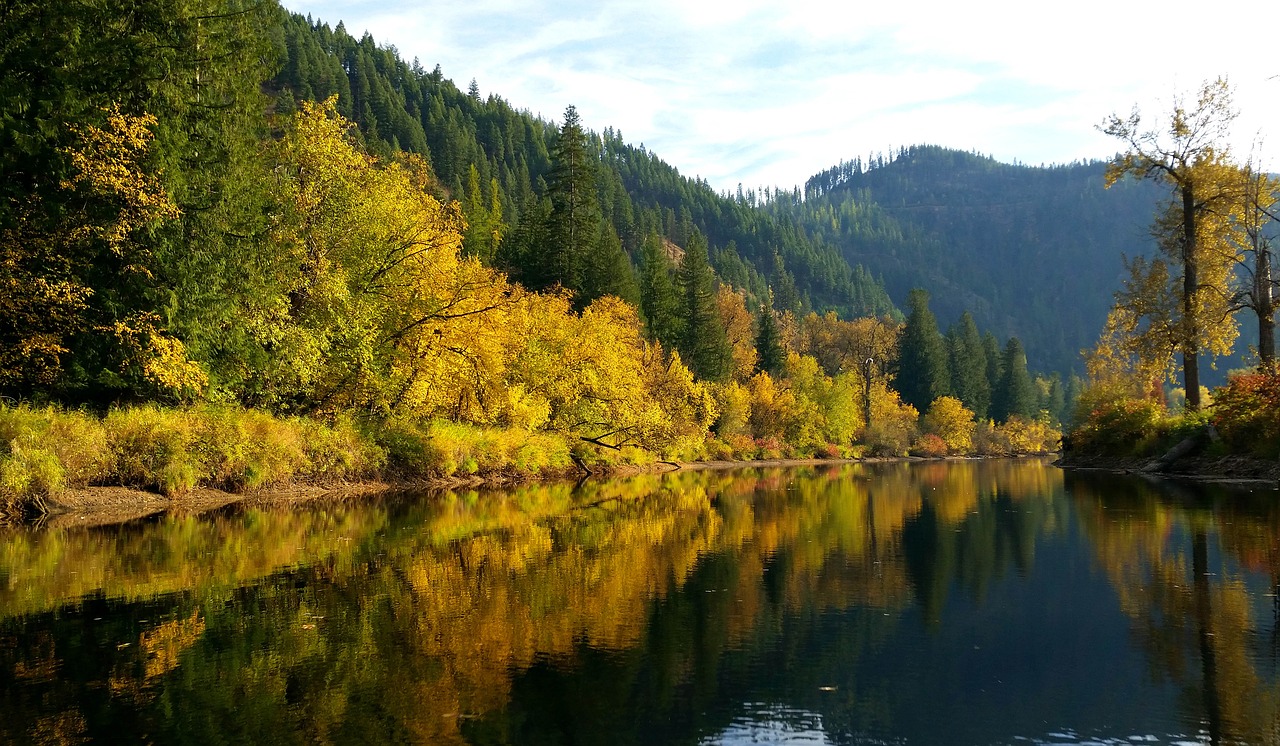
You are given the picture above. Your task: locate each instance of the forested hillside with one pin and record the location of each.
(243, 247)
(399, 105)
(1032, 252)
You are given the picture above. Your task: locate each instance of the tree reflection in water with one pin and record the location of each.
(659, 609)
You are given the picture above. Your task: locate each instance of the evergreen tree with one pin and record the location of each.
(704, 346)
(1056, 400)
(785, 293)
(968, 363)
(659, 299)
(772, 359)
(922, 360)
(573, 230)
(484, 217)
(1016, 394)
(520, 256)
(991, 351)
(608, 271)
(1075, 386)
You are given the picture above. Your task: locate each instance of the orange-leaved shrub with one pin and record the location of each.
(1246, 413)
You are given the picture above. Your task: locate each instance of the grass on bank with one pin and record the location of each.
(45, 450)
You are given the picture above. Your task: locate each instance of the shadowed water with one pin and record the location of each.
(954, 603)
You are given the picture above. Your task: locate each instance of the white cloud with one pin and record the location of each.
(769, 93)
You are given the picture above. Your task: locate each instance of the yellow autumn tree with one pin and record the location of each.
(1185, 292)
(380, 312)
(831, 406)
(950, 420)
(121, 198)
(893, 424)
(110, 195)
(596, 378)
(738, 323)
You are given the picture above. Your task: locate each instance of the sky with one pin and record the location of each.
(771, 92)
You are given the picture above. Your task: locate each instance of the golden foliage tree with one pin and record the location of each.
(1184, 294)
(951, 420)
(738, 322)
(47, 258)
(379, 311)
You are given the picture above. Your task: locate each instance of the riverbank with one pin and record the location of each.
(107, 505)
(1200, 468)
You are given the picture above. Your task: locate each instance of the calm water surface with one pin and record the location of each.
(961, 603)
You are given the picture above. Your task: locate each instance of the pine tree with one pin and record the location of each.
(704, 347)
(991, 351)
(659, 299)
(574, 225)
(772, 358)
(1056, 400)
(608, 270)
(785, 294)
(922, 360)
(1016, 394)
(521, 255)
(484, 217)
(968, 364)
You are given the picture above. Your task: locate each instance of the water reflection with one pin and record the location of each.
(971, 602)
(1196, 573)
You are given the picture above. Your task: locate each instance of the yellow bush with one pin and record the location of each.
(950, 420)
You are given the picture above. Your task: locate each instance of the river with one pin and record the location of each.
(926, 603)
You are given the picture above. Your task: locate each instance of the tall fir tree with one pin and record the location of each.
(483, 211)
(607, 270)
(991, 351)
(520, 255)
(573, 229)
(1056, 399)
(1016, 394)
(659, 299)
(772, 359)
(968, 365)
(786, 297)
(922, 360)
(704, 346)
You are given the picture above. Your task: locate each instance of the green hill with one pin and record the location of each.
(1033, 252)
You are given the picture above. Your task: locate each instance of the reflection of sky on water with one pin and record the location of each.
(775, 724)
(1071, 738)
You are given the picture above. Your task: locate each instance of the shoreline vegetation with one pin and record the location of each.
(324, 280)
(139, 460)
(1122, 427)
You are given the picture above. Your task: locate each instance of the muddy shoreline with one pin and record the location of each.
(102, 506)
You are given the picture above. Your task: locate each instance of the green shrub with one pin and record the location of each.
(27, 477)
(1116, 425)
(341, 450)
(891, 438)
(43, 450)
(246, 449)
(441, 448)
(154, 448)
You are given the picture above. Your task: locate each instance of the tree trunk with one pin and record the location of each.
(1265, 304)
(1190, 286)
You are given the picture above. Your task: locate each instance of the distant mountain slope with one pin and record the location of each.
(1032, 251)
